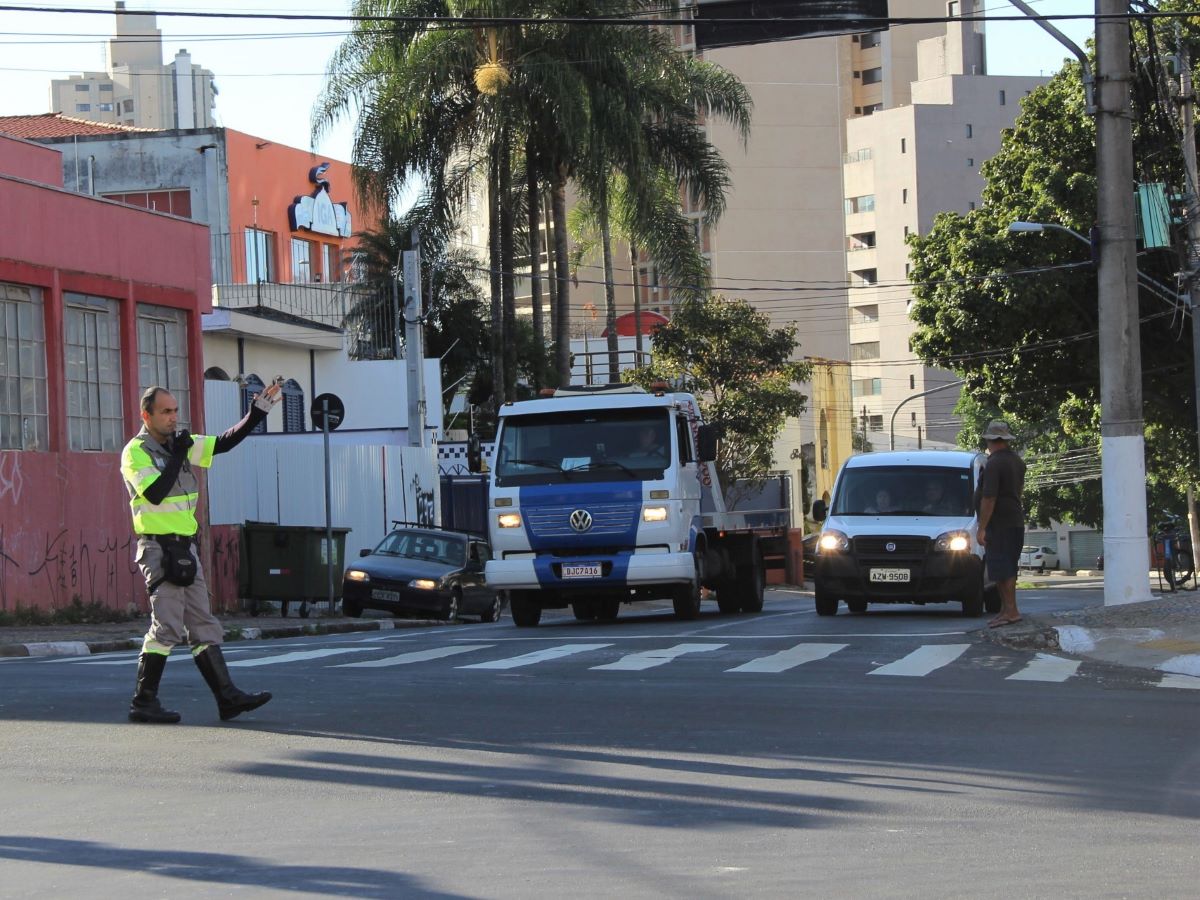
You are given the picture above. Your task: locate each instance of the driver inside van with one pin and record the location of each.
(883, 503)
(935, 502)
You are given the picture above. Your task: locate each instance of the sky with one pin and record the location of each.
(269, 74)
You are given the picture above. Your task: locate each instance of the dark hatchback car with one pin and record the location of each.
(419, 570)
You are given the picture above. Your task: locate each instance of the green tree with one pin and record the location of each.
(1015, 314)
(742, 371)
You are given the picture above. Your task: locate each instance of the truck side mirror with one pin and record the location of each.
(706, 443)
(820, 511)
(474, 454)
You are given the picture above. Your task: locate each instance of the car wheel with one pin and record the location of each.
(450, 613)
(827, 604)
(525, 610)
(972, 604)
(492, 613)
(856, 606)
(608, 610)
(351, 609)
(584, 610)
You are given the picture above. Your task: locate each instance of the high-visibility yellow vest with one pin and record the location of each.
(141, 462)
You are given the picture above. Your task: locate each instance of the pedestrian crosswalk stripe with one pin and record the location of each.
(537, 656)
(414, 657)
(923, 660)
(1171, 680)
(789, 659)
(636, 662)
(297, 656)
(1045, 667)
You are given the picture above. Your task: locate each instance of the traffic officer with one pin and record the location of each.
(158, 467)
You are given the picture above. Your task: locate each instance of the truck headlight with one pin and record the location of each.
(509, 520)
(952, 542)
(357, 575)
(654, 514)
(423, 584)
(833, 542)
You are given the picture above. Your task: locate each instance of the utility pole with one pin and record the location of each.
(414, 340)
(1191, 261)
(1122, 432)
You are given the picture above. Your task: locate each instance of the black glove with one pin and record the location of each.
(182, 443)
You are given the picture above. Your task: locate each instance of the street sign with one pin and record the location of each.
(336, 411)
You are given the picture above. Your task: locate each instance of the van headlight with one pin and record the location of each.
(357, 575)
(833, 541)
(654, 514)
(509, 520)
(952, 542)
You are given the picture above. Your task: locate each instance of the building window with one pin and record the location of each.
(293, 406)
(906, 231)
(260, 261)
(907, 267)
(82, 88)
(864, 240)
(970, 130)
(857, 155)
(1003, 98)
(864, 350)
(104, 107)
(331, 263)
(177, 202)
(970, 204)
(864, 315)
(24, 414)
(865, 203)
(912, 382)
(106, 88)
(875, 423)
(873, 108)
(251, 386)
(872, 76)
(952, 9)
(914, 419)
(866, 276)
(866, 387)
(127, 106)
(302, 255)
(970, 162)
(869, 40)
(856, 73)
(163, 354)
(903, 195)
(903, 145)
(83, 107)
(93, 356)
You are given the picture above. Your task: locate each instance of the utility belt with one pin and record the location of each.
(179, 566)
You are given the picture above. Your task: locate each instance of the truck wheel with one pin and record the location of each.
(526, 611)
(728, 600)
(972, 605)
(584, 610)
(856, 606)
(753, 581)
(826, 604)
(686, 601)
(991, 599)
(608, 610)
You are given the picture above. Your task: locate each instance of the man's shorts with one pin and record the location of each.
(1003, 551)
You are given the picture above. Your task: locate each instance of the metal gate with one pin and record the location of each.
(1085, 548)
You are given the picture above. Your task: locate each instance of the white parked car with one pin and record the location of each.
(1039, 558)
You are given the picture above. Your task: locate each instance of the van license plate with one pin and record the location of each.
(387, 596)
(586, 570)
(891, 576)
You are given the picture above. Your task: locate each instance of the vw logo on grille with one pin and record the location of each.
(581, 520)
(890, 546)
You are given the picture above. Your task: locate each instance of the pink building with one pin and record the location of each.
(98, 300)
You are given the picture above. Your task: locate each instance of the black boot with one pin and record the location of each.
(230, 701)
(145, 706)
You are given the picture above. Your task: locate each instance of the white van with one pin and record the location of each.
(901, 528)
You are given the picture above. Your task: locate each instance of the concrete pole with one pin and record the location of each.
(414, 355)
(1187, 100)
(1122, 439)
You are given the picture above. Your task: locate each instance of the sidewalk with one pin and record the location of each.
(81, 640)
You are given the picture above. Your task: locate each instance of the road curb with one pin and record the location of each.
(1033, 636)
(87, 648)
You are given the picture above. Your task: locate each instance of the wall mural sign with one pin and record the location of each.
(318, 213)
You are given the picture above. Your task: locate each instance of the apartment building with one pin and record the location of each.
(136, 88)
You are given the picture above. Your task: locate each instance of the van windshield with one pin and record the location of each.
(904, 491)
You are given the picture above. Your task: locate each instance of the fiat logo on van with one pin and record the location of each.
(581, 520)
(890, 546)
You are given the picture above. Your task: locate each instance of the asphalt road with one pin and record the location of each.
(892, 754)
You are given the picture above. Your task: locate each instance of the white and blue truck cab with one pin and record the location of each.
(901, 527)
(600, 496)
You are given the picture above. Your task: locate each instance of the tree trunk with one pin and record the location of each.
(562, 327)
(610, 293)
(508, 252)
(551, 280)
(533, 200)
(637, 302)
(494, 264)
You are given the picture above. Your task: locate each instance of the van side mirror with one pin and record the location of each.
(706, 443)
(474, 453)
(820, 511)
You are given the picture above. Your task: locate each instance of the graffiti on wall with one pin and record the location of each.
(424, 500)
(11, 481)
(51, 570)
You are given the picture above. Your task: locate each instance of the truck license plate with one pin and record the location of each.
(891, 576)
(389, 596)
(581, 570)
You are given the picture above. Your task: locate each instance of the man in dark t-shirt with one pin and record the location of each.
(1001, 518)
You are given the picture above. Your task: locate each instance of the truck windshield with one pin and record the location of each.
(583, 445)
(904, 491)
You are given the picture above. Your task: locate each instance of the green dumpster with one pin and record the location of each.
(288, 563)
